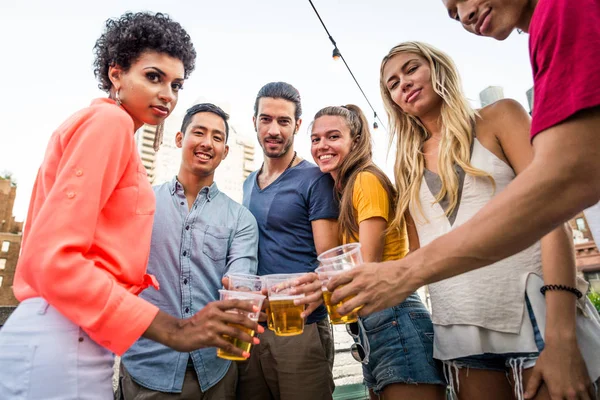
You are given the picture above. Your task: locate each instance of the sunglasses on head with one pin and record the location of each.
(360, 352)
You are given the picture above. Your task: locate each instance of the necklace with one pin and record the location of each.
(286, 168)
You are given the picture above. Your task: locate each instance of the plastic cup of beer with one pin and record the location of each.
(334, 262)
(250, 283)
(245, 283)
(344, 257)
(285, 315)
(267, 307)
(254, 298)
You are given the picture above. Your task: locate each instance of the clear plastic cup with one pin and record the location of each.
(334, 262)
(285, 315)
(325, 273)
(267, 307)
(245, 283)
(254, 298)
(344, 257)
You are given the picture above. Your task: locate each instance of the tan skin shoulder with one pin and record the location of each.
(497, 122)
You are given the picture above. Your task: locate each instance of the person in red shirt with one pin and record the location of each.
(87, 236)
(562, 179)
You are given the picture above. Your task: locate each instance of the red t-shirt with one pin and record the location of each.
(564, 47)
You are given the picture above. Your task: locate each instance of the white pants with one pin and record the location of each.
(592, 215)
(43, 355)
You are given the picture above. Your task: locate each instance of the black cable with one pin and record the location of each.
(346, 64)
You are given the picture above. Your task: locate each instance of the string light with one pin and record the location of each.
(337, 54)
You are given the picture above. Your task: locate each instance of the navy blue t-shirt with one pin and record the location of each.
(284, 211)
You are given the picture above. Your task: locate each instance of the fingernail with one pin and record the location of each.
(260, 329)
(256, 340)
(245, 354)
(255, 308)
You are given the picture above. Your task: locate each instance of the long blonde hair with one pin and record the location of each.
(457, 121)
(360, 159)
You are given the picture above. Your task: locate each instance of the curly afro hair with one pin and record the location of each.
(124, 39)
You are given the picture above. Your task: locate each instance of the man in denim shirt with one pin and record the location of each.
(199, 235)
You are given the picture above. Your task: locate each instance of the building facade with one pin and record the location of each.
(10, 242)
(163, 165)
(587, 255)
(490, 95)
(144, 138)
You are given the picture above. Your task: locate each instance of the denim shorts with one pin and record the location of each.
(401, 341)
(502, 362)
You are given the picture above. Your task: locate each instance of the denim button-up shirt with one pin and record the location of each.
(191, 250)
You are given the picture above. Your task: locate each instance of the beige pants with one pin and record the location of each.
(224, 390)
(289, 368)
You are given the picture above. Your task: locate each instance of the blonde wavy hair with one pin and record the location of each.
(457, 121)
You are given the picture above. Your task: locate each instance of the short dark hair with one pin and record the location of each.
(280, 90)
(126, 38)
(205, 107)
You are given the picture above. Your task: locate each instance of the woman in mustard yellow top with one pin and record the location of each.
(399, 363)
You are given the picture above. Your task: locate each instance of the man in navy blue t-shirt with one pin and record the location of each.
(294, 206)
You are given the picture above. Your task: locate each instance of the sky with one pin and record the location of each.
(46, 69)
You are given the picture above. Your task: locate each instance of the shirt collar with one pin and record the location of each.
(210, 191)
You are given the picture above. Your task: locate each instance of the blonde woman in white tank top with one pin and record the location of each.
(491, 327)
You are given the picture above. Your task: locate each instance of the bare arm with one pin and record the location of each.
(545, 194)
(325, 234)
(372, 238)
(206, 328)
(413, 236)
(558, 255)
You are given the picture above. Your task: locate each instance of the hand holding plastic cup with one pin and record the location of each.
(334, 262)
(250, 283)
(286, 317)
(254, 298)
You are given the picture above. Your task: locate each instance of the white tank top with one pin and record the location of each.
(491, 297)
(483, 311)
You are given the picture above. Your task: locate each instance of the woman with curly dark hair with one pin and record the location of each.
(88, 230)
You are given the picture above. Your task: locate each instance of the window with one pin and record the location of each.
(592, 276)
(5, 246)
(594, 279)
(581, 224)
(2, 263)
(1, 278)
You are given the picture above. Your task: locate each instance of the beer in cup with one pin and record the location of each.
(257, 300)
(285, 315)
(334, 262)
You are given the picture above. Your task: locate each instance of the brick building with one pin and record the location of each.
(10, 242)
(586, 251)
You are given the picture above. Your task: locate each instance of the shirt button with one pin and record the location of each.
(187, 228)
(71, 195)
(185, 281)
(78, 172)
(181, 203)
(184, 253)
(187, 310)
